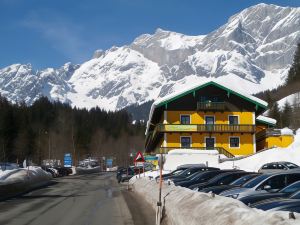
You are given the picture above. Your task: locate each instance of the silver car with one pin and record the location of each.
(277, 167)
(264, 183)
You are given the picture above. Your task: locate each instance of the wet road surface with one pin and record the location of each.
(78, 200)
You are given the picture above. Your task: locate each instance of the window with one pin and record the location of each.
(185, 119)
(185, 142)
(275, 182)
(233, 120)
(209, 120)
(234, 142)
(209, 142)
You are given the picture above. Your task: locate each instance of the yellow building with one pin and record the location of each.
(268, 137)
(208, 116)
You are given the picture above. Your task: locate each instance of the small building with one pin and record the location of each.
(268, 137)
(208, 116)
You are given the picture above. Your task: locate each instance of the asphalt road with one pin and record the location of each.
(77, 200)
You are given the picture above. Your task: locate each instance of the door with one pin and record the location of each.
(209, 123)
(210, 143)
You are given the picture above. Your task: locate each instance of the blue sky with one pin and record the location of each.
(48, 33)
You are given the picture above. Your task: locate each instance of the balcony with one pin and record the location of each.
(210, 106)
(205, 128)
(267, 133)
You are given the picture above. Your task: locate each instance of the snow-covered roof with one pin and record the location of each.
(221, 84)
(266, 120)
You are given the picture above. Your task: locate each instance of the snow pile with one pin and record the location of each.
(184, 206)
(17, 181)
(178, 157)
(286, 131)
(266, 119)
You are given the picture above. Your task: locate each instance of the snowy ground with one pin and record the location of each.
(184, 206)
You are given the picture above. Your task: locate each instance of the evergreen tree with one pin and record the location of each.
(275, 114)
(294, 72)
(286, 115)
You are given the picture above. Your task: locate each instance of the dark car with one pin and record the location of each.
(186, 173)
(63, 171)
(221, 179)
(292, 203)
(197, 178)
(284, 192)
(173, 173)
(237, 183)
(124, 174)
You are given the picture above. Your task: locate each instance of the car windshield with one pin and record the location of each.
(242, 180)
(291, 188)
(203, 175)
(253, 182)
(177, 172)
(295, 195)
(291, 165)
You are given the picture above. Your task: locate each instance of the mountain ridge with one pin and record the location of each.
(252, 51)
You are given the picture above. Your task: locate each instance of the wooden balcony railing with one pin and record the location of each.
(207, 128)
(267, 133)
(213, 106)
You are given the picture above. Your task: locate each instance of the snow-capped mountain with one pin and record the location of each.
(252, 51)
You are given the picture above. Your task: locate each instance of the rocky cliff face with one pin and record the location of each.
(252, 51)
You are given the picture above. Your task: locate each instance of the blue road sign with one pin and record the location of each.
(109, 163)
(67, 160)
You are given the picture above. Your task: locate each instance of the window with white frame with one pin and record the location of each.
(185, 119)
(233, 120)
(234, 142)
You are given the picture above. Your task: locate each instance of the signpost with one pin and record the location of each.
(68, 160)
(109, 163)
(139, 159)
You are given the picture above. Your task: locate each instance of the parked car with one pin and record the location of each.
(284, 192)
(221, 179)
(180, 169)
(173, 173)
(291, 203)
(51, 170)
(236, 183)
(125, 174)
(63, 171)
(264, 183)
(184, 174)
(198, 177)
(277, 167)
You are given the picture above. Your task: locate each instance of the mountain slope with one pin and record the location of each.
(252, 51)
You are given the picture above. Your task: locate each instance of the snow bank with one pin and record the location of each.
(178, 157)
(286, 131)
(17, 181)
(183, 206)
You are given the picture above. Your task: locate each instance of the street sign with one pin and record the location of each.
(109, 163)
(139, 158)
(67, 160)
